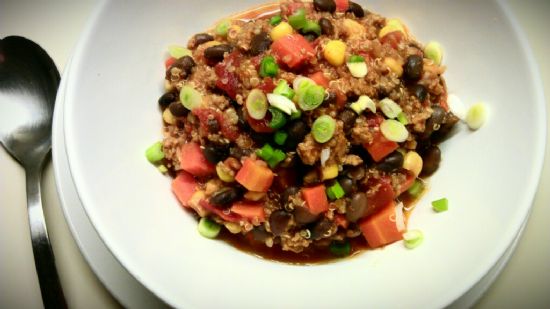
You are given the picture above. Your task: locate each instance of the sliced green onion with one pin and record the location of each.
(208, 228)
(177, 52)
(358, 69)
(275, 20)
(416, 189)
(356, 58)
(268, 67)
(402, 117)
(266, 152)
(434, 51)
(278, 118)
(390, 108)
(301, 83)
(311, 27)
(340, 249)
(335, 191)
(256, 104)
(284, 89)
(296, 115)
(298, 19)
(413, 238)
(440, 205)
(394, 130)
(311, 98)
(476, 116)
(280, 137)
(323, 128)
(277, 157)
(190, 97)
(223, 27)
(154, 153)
(364, 102)
(282, 103)
(162, 168)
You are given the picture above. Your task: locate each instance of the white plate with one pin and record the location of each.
(489, 176)
(112, 274)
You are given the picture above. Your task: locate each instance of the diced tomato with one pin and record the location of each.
(168, 62)
(381, 229)
(381, 197)
(392, 38)
(342, 5)
(405, 185)
(267, 85)
(183, 186)
(193, 161)
(374, 120)
(228, 80)
(341, 220)
(319, 78)
(316, 199)
(380, 147)
(341, 99)
(255, 176)
(260, 126)
(227, 216)
(292, 50)
(229, 131)
(249, 211)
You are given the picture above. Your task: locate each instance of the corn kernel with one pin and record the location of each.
(352, 28)
(224, 173)
(335, 52)
(254, 196)
(394, 65)
(210, 44)
(330, 171)
(281, 30)
(392, 25)
(232, 227)
(168, 117)
(413, 162)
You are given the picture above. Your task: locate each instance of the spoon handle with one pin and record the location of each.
(44, 261)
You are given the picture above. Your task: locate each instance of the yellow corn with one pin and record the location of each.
(392, 25)
(210, 44)
(224, 173)
(394, 65)
(232, 227)
(330, 171)
(254, 196)
(335, 52)
(168, 117)
(281, 30)
(352, 28)
(413, 162)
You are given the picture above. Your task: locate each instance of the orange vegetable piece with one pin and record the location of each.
(316, 199)
(255, 176)
(380, 228)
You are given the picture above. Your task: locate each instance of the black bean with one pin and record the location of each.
(326, 26)
(310, 37)
(260, 138)
(279, 221)
(347, 184)
(238, 152)
(260, 234)
(302, 215)
(167, 98)
(431, 158)
(288, 192)
(356, 209)
(413, 68)
(215, 153)
(356, 173)
(260, 43)
(323, 229)
(391, 162)
(185, 64)
(434, 122)
(201, 38)
(445, 129)
(419, 91)
(224, 196)
(213, 125)
(330, 98)
(348, 118)
(216, 53)
(297, 131)
(356, 9)
(324, 5)
(177, 109)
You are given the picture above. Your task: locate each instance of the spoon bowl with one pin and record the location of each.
(28, 85)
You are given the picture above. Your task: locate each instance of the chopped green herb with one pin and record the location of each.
(440, 205)
(280, 137)
(323, 128)
(401, 117)
(356, 58)
(275, 20)
(413, 238)
(266, 152)
(296, 115)
(298, 19)
(310, 97)
(278, 118)
(311, 27)
(284, 89)
(268, 67)
(223, 27)
(416, 189)
(208, 228)
(154, 153)
(162, 168)
(277, 157)
(340, 248)
(256, 104)
(335, 191)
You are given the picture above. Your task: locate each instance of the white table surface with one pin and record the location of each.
(56, 25)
